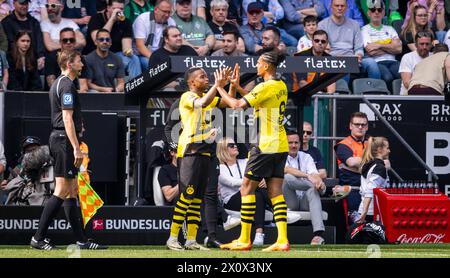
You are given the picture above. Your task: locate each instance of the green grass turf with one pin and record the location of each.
(297, 251)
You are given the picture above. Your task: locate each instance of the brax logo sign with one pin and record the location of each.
(390, 111)
(440, 113)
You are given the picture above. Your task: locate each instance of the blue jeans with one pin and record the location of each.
(371, 68)
(440, 36)
(288, 39)
(389, 70)
(131, 64)
(144, 62)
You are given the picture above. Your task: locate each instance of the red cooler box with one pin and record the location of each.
(413, 218)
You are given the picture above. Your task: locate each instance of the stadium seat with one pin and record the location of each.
(370, 86)
(158, 196)
(342, 87)
(42, 77)
(396, 86)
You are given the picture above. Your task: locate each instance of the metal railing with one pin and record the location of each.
(365, 99)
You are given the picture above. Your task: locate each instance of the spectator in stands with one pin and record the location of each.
(230, 45)
(272, 15)
(273, 11)
(230, 180)
(435, 15)
(219, 24)
(4, 72)
(37, 9)
(349, 156)
(148, 29)
(415, 24)
(80, 14)
(374, 173)
(271, 39)
(198, 8)
(345, 38)
(352, 11)
(20, 20)
(423, 42)
(302, 186)
(135, 8)
(121, 32)
(168, 179)
(23, 74)
(381, 42)
(196, 32)
(67, 40)
(173, 46)
(5, 9)
(319, 46)
(313, 151)
(55, 23)
(431, 75)
(295, 12)
(309, 27)
(106, 69)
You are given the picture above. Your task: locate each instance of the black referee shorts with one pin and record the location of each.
(62, 153)
(265, 165)
(193, 172)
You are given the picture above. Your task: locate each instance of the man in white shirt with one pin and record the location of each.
(410, 60)
(302, 186)
(55, 23)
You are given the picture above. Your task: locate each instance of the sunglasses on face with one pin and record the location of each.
(68, 40)
(422, 15)
(232, 145)
(104, 39)
(380, 10)
(52, 6)
(360, 125)
(320, 41)
(307, 132)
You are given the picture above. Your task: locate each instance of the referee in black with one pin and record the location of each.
(65, 150)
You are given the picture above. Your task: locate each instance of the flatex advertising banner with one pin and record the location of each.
(423, 122)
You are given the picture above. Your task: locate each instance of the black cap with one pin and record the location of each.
(173, 146)
(183, 1)
(255, 6)
(30, 140)
(23, 1)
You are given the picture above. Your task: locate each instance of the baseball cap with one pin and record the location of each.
(30, 140)
(23, 1)
(173, 146)
(373, 4)
(255, 6)
(183, 1)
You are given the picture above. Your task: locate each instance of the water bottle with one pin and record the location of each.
(436, 188)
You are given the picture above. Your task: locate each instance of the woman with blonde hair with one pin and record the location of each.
(418, 22)
(373, 174)
(230, 180)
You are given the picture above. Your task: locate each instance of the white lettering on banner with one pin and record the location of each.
(136, 82)
(159, 117)
(325, 63)
(137, 224)
(432, 151)
(31, 224)
(447, 190)
(427, 238)
(440, 113)
(155, 71)
(390, 111)
(204, 63)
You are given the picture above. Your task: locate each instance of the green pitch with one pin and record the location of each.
(297, 251)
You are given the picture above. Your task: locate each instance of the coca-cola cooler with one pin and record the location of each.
(413, 218)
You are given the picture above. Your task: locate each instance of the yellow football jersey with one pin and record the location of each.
(196, 124)
(269, 101)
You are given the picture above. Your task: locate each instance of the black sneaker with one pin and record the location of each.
(42, 244)
(91, 245)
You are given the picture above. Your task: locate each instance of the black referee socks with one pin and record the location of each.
(50, 210)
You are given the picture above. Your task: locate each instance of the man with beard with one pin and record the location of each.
(104, 66)
(55, 23)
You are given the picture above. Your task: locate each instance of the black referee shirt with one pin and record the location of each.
(64, 96)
